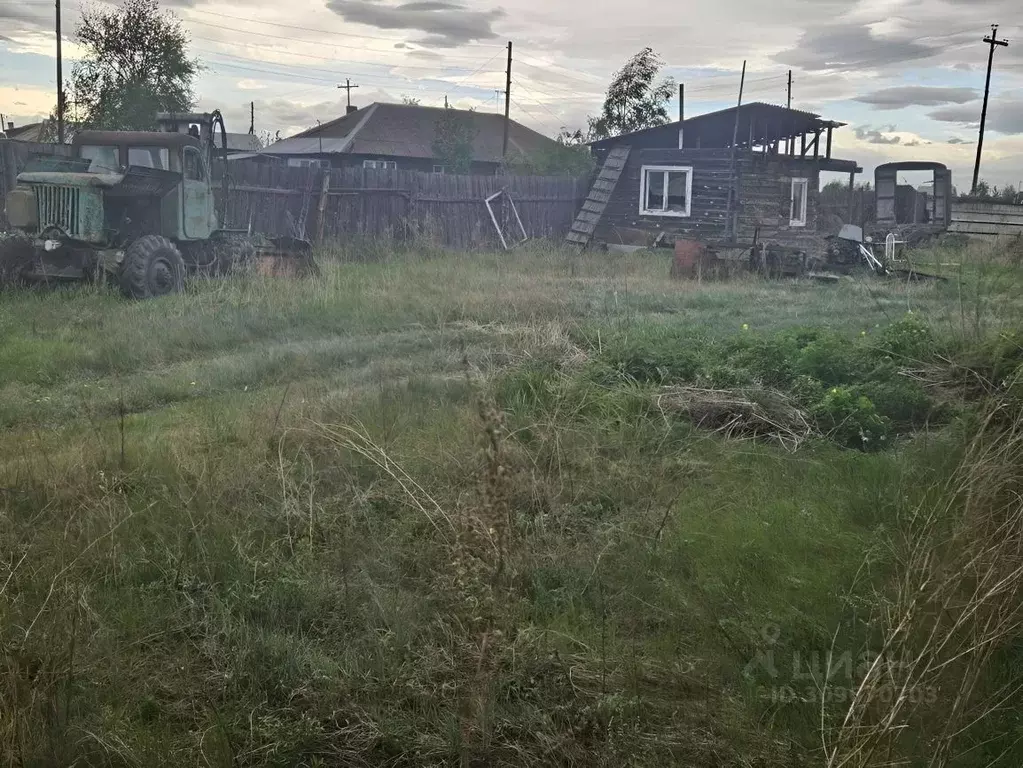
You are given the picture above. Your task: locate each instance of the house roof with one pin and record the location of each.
(400, 130)
(30, 132)
(242, 142)
(769, 123)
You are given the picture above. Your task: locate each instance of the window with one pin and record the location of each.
(666, 190)
(150, 157)
(101, 159)
(194, 168)
(797, 209)
(380, 165)
(438, 169)
(303, 162)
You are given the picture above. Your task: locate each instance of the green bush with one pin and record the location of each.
(769, 360)
(833, 360)
(909, 339)
(901, 400)
(852, 420)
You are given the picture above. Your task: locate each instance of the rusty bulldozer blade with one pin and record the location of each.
(286, 257)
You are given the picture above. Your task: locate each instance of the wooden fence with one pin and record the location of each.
(355, 202)
(348, 202)
(987, 221)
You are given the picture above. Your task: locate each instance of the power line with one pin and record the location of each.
(286, 39)
(334, 74)
(535, 119)
(312, 29)
(331, 82)
(537, 102)
(480, 69)
(332, 58)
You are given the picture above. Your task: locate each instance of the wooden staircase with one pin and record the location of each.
(585, 223)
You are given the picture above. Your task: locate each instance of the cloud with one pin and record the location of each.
(877, 135)
(851, 47)
(1005, 114)
(917, 95)
(443, 24)
(957, 140)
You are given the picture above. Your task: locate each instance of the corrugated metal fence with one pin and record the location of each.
(987, 221)
(344, 203)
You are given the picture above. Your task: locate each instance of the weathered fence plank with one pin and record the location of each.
(987, 221)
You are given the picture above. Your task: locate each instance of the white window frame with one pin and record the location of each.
(644, 175)
(800, 220)
(439, 169)
(304, 162)
(380, 165)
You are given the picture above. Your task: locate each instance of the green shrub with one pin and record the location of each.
(901, 400)
(833, 360)
(909, 339)
(768, 360)
(852, 420)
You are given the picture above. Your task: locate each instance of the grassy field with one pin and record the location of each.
(512, 509)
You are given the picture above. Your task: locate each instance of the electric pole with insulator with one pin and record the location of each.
(993, 41)
(507, 103)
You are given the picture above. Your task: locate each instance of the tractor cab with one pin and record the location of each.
(164, 178)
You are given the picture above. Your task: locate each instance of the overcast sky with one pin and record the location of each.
(906, 75)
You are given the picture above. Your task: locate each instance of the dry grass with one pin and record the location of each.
(957, 604)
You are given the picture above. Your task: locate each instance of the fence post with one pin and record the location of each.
(323, 206)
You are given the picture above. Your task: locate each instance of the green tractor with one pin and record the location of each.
(135, 207)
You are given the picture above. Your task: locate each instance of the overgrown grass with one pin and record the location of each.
(427, 510)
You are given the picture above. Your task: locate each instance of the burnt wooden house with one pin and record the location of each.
(742, 175)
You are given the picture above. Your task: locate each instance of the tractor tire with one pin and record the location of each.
(152, 267)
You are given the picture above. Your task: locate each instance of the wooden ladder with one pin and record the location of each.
(585, 223)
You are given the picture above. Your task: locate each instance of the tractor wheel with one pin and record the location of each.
(152, 267)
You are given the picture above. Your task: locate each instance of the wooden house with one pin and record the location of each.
(402, 137)
(746, 174)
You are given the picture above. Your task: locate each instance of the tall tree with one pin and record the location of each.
(453, 141)
(634, 101)
(135, 64)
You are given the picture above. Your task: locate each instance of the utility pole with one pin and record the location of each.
(731, 223)
(788, 141)
(507, 102)
(992, 41)
(681, 113)
(738, 109)
(348, 87)
(252, 118)
(60, 82)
